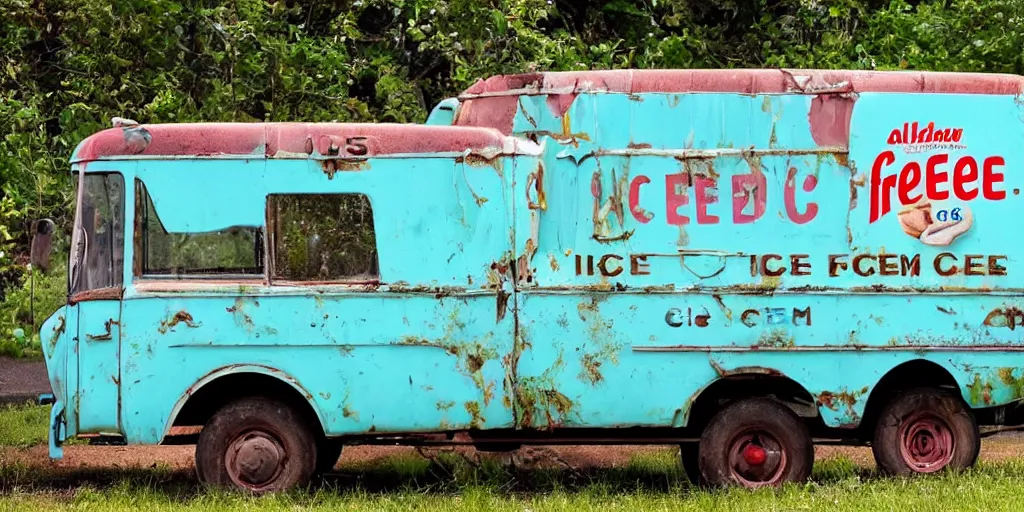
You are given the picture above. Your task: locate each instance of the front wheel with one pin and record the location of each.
(258, 445)
(689, 455)
(925, 431)
(327, 455)
(753, 443)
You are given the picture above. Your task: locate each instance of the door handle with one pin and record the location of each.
(106, 336)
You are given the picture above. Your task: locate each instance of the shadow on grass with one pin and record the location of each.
(441, 474)
(445, 474)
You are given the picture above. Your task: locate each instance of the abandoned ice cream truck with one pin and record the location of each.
(742, 263)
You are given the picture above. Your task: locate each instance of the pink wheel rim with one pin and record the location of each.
(757, 460)
(255, 460)
(926, 443)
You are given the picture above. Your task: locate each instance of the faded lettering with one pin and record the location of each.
(676, 317)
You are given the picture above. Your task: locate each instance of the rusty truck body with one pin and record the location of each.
(739, 262)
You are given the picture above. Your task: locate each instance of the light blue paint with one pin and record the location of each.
(443, 114)
(436, 347)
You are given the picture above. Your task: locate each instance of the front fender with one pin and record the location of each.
(237, 370)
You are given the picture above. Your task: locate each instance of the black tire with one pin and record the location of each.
(925, 431)
(689, 456)
(258, 445)
(327, 455)
(755, 442)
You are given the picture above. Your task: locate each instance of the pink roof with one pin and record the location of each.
(746, 81)
(282, 140)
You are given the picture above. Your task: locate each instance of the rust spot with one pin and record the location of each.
(474, 362)
(721, 304)
(529, 118)
(242, 319)
(347, 412)
(554, 262)
(480, 160)
(179, 317)
(642, 145)
(980, 392)
(1010, 317)
(333, 165)
(488, 393)
(536, 179)
(591, 371)
(718, 368)
(853, 205)
(659, 288)
(57, 332)
(827, 399)
(423, 342)
(445, 405)
(523, 271)
(476, 419)
(97, 294)
(536, 396)
(834, 401)
(503, 297)
(843, 158)
(829, 118)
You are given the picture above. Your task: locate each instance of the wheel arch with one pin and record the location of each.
(914, 373)
(750, 382)
(222, 385)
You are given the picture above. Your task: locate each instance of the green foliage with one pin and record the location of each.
(67, 67)
(326, 237)
(18, 337)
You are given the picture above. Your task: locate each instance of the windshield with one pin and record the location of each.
(100, 233)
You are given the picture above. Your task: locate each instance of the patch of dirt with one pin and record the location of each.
(22, 380)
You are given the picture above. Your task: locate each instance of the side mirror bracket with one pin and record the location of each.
(42, 242)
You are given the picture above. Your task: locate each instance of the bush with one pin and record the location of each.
(67, 68)
(18, 336)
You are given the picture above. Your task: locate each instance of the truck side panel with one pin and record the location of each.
(689, 237)
(420, 351)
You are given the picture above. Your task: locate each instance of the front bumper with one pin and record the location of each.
(58, 425)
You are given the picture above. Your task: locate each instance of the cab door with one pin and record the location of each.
(99, 342)
(96, 286)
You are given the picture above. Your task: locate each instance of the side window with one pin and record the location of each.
(102, 221)
(322, 238)
(236, 251)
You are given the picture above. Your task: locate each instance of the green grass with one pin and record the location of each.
(650, 481)
(23, 425)
(405, 483)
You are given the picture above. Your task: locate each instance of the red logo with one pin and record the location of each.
(963, 178)
(916, 140)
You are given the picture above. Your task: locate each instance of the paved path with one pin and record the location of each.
(21, 381)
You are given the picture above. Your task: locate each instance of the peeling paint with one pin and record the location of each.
(180, 317)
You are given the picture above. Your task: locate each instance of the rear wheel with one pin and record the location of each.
(755, 442)
(925, 431)
(256, 444)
